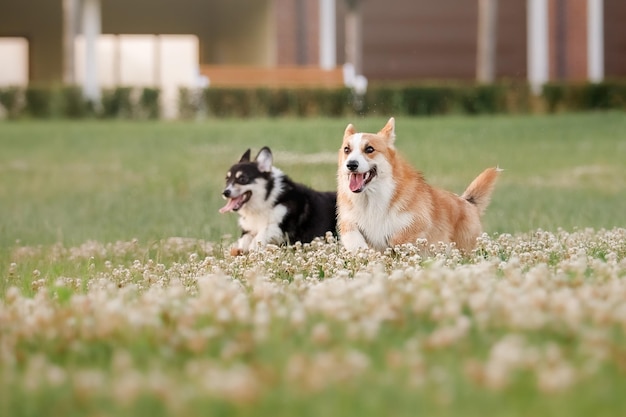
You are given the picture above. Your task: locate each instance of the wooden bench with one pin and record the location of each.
(272, 77)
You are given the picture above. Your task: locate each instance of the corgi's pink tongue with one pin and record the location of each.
(357, 182)
(231, 205)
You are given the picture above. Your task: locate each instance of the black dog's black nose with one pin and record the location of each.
(352, 165)
(226, 193)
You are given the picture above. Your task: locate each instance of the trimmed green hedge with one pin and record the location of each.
(41, 102)
(431, 100)
(381, 98)
(11, 99)
(130, 103)
(402, 99)
(587, 96)
(264, 102)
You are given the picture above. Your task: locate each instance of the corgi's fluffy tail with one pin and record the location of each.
(479, 191)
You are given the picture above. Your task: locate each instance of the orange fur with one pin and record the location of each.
(394, 204)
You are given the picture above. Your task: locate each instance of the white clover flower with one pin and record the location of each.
(55, 375)
(336, 303)
(320, 334)
(88, 383)
(556, 378)
(128, 386)
(12, 294)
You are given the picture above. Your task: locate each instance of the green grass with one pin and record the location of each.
(93, 322)
(74, 181)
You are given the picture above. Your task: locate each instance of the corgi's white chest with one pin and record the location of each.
(376, 218)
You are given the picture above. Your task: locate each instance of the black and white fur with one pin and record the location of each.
(273, 209)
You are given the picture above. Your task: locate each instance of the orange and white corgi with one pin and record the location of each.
(382, 201)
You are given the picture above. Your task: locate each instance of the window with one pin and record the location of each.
(14, 57)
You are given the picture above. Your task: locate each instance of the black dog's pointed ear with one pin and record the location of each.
(245, 157)
(264, 159)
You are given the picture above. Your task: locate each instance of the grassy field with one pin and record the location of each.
(117, 297)
(72, 182)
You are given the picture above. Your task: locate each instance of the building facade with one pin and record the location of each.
(402, 40)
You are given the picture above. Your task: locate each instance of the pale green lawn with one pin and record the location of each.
(73, 181)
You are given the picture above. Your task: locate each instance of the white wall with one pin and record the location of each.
(164, 61)
(13, 62)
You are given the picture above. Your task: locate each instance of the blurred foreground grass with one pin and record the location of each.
(532, 324)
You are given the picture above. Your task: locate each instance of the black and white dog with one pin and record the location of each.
(273, 209)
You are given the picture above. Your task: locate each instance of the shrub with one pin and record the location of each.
(149, 106)
(228, 102)
(516, 97)
(428, 100)
(481, 99)
(618, 95)
(273, 102)
(39, 101)
(72, 104)
(596, 96)
(553, 95)
(117, 102)
(585, 96)
(382, 100)
(11, 99)
(334, 102)
(320, 102)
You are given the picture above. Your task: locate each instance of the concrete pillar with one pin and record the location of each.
(595, 40)
(354, 36)
(487, 40)
(70, 8)
(91, 31)
(328, 35)
(537, 44)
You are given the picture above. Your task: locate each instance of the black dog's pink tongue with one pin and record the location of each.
(357, 181)
(230, 205)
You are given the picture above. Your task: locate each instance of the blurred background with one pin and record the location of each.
(167, 45)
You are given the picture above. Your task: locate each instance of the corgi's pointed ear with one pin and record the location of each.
(264, 159)
(389, 131)
(350, 130)
(245, 157)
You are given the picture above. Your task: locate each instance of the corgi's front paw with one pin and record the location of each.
(353, 241)
(235, 251)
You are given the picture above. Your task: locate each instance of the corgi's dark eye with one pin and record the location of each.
(369, 149)
(346, 150)
(242, 179)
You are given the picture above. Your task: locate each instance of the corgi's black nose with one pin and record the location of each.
(226, 193)
(352, 165)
